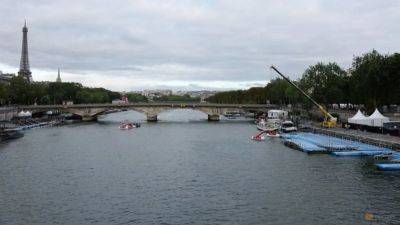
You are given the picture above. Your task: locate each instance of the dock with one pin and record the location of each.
(344, 143)
(380, 140)
(314, 143)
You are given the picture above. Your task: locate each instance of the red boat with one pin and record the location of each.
(269, 133)
(128, 125)
(258, 137)
(273, 133)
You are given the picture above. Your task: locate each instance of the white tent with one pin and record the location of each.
(24, 114)
(360, 119)
(377, 119)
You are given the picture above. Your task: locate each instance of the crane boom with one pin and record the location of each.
(326, 113)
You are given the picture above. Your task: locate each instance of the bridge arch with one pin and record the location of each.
(153, 112)
(182, 114)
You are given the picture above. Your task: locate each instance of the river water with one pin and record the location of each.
(183, 170)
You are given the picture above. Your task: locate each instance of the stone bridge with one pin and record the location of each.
(89, 112)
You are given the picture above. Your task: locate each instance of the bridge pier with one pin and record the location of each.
(151, 118)
(213, 117)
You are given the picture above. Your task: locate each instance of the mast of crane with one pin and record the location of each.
(326, 113)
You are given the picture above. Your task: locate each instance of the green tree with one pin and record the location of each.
(368, 79)
(3, 94)
(176, 98)
(325, 82)
(20, 91)
(132, 97)
(276, 91)
(45, 100)
(82, 96)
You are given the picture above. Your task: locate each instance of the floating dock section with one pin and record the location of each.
(392, 165)
(367, 139)
(312, 143)
(318, 143)
(388, 166)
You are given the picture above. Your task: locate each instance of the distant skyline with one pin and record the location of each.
(191, 45)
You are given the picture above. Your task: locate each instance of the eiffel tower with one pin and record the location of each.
(24, 69)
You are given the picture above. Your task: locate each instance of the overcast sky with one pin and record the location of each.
(191, 45)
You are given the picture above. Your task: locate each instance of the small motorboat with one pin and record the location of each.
(288, 126)
(258, 137)
(10, 134)
(128, 125)
(272, 133)
(267, 125)
(232, 115)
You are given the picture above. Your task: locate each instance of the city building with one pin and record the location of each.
(197, 94)
(24, 69)
(123, 100)
(6, 77)
(156, 93)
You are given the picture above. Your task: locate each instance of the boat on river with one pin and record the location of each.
(9, 134)
(258, 137)
(288, 126)
(269, 133)
(232, 115)
(264, 125)
(273, 134)
(128, 125)
(276, 121)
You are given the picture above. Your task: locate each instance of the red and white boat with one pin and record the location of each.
(273, 133)
(268, 125)
(258, 137)
(128, 125)
(268, 133)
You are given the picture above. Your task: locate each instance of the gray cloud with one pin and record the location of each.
(184, 42)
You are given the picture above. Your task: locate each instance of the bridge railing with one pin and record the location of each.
(162, 104)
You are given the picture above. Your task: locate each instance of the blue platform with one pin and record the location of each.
(317, 143)
(388, 166)
(396, 156)
(310, 142)
(358, 153)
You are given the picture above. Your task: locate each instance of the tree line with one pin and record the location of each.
(177, 98)
(20, 92)
(373, 81)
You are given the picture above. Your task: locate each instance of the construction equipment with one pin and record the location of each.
(329, 120)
